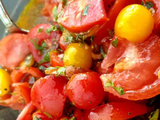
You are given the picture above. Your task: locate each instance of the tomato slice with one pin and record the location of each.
(17, 75)
(26, 113)
(42, 38)
(55, 60)
(134, 70)
(20, 96)
(11, 48)
(48, 95)
(82, 15)
(116, 111)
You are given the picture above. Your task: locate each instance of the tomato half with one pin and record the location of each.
(20, 96)
(13, 49)
(134, 70)
(82, 15)
(17, 75)
(42, 38)
(85, 90)
(116, 111)
(48, 95)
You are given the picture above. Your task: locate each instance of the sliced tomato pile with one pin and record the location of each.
(96, 60)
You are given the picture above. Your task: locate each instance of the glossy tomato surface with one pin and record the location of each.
(85, 90)
(48, 95)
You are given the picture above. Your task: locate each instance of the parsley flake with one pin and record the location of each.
(35, 118)
(48, 115)
(85, 11)
(40, 30)
(46, 58)
(154, 115)
(73, 118)
(61, 71)
(118, 89)
(54, 12)
(115, 42)
(148, 4)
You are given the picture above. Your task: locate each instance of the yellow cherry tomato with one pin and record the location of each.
(79, 55)
(135, 23)
(5, 82)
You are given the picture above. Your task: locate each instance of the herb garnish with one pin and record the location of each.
(115, 42)
(49, 30)
(148, 4)
(46, 58)
(37, 46)
(48, 115)
(40, 30)
(57, 70)
(35, 118)
(85, 11)
(118, 89)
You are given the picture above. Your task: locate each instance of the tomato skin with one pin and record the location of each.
(81, 92)
(55, 60)
(135, 61)
(39, 35)
(48, 94)
(17, 75)
(26, 113)
(11, 48)
(74, 20)
(116, 111)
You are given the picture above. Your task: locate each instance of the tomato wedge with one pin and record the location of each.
(134, 70)
(116, 111)
(11, 48)
(48, 95)
(82, 15)
(42, 38)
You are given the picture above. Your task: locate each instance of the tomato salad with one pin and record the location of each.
(97, 60)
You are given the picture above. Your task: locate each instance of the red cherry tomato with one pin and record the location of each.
(42, 38)
(134, 70)
(13, 49)
(85, 90)
(116, 111)
(82, 15)
(48, 95)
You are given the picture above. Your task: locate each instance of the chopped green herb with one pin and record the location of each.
(40, 30)
(61, 71)
(64, 2)
(149, 4)
(46, 58)
(115, 42)
(118, 89)
(69, 38)
(35, 118)
(42, 68)
(154, 115)
(39, 47)
(48, 115)
(54, 12)
(73, 118)
(85, 11)
(111, 33)
(129, 113)
(12, 93)
(49, 30)
(92, 37)
(61, 28)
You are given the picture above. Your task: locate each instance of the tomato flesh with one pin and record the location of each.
(48, 95)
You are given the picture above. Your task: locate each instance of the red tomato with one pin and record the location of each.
(48, 95)
(116, 111)
(156, 16)
(11, 48)
(85, 90)
(26, 113)
(134, 70)
(41, 39)
(82, 15)
(20, 96)
(38, 115)
(55, 60)
(17, 75)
